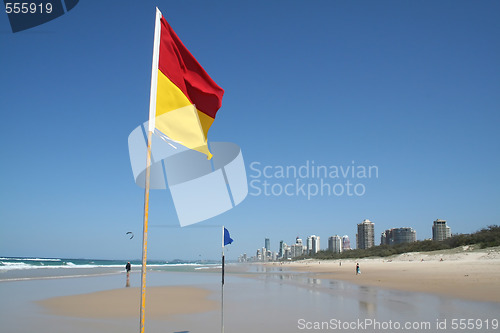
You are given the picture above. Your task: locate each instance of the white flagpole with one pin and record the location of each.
(152, 115)
(222, 285)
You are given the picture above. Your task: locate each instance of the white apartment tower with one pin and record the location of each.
(315, 244)
(346, 243)
(335, 244)
(440, 230)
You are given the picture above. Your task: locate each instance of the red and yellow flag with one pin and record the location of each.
(184, 98)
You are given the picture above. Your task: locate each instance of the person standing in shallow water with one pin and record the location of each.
(357, 269)
(128, 267)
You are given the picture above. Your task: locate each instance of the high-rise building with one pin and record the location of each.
(309, 244)
(315, 244)
(335, 244)
(287, 253)
(404, 235)
(346, 243)
(267, 244)
(365, 238)
(296, 250)
(398, 236)
(383, 238)
(440, 230)
(281, 252)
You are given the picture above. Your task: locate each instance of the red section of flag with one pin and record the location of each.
(179, 65)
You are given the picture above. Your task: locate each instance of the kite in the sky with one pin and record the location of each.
(132, 235)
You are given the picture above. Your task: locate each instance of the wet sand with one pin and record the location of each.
(272, 301)
(470, 275)
(161, 302)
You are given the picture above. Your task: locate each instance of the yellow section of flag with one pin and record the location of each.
(178, 119)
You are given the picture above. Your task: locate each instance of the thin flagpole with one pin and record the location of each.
(151, 127)
(145, 235)
(222, 286)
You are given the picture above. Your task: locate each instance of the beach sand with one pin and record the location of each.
(161, 303)
(464, 273)
(264, 298)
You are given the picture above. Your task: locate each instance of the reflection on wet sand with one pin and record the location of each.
(330, 298)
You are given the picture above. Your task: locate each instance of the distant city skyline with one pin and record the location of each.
(339, 244)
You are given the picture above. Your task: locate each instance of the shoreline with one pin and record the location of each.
(465, 274)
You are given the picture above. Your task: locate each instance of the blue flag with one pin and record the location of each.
(227, 237)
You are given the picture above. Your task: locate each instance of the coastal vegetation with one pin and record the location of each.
(486, 237)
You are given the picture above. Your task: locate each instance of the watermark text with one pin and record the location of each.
(310, 180)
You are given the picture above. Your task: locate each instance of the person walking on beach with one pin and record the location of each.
(357, 269)
(128, 267)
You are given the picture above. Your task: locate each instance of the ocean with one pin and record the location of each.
(26, 268)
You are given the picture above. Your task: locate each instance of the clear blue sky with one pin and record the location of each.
(410, 87)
